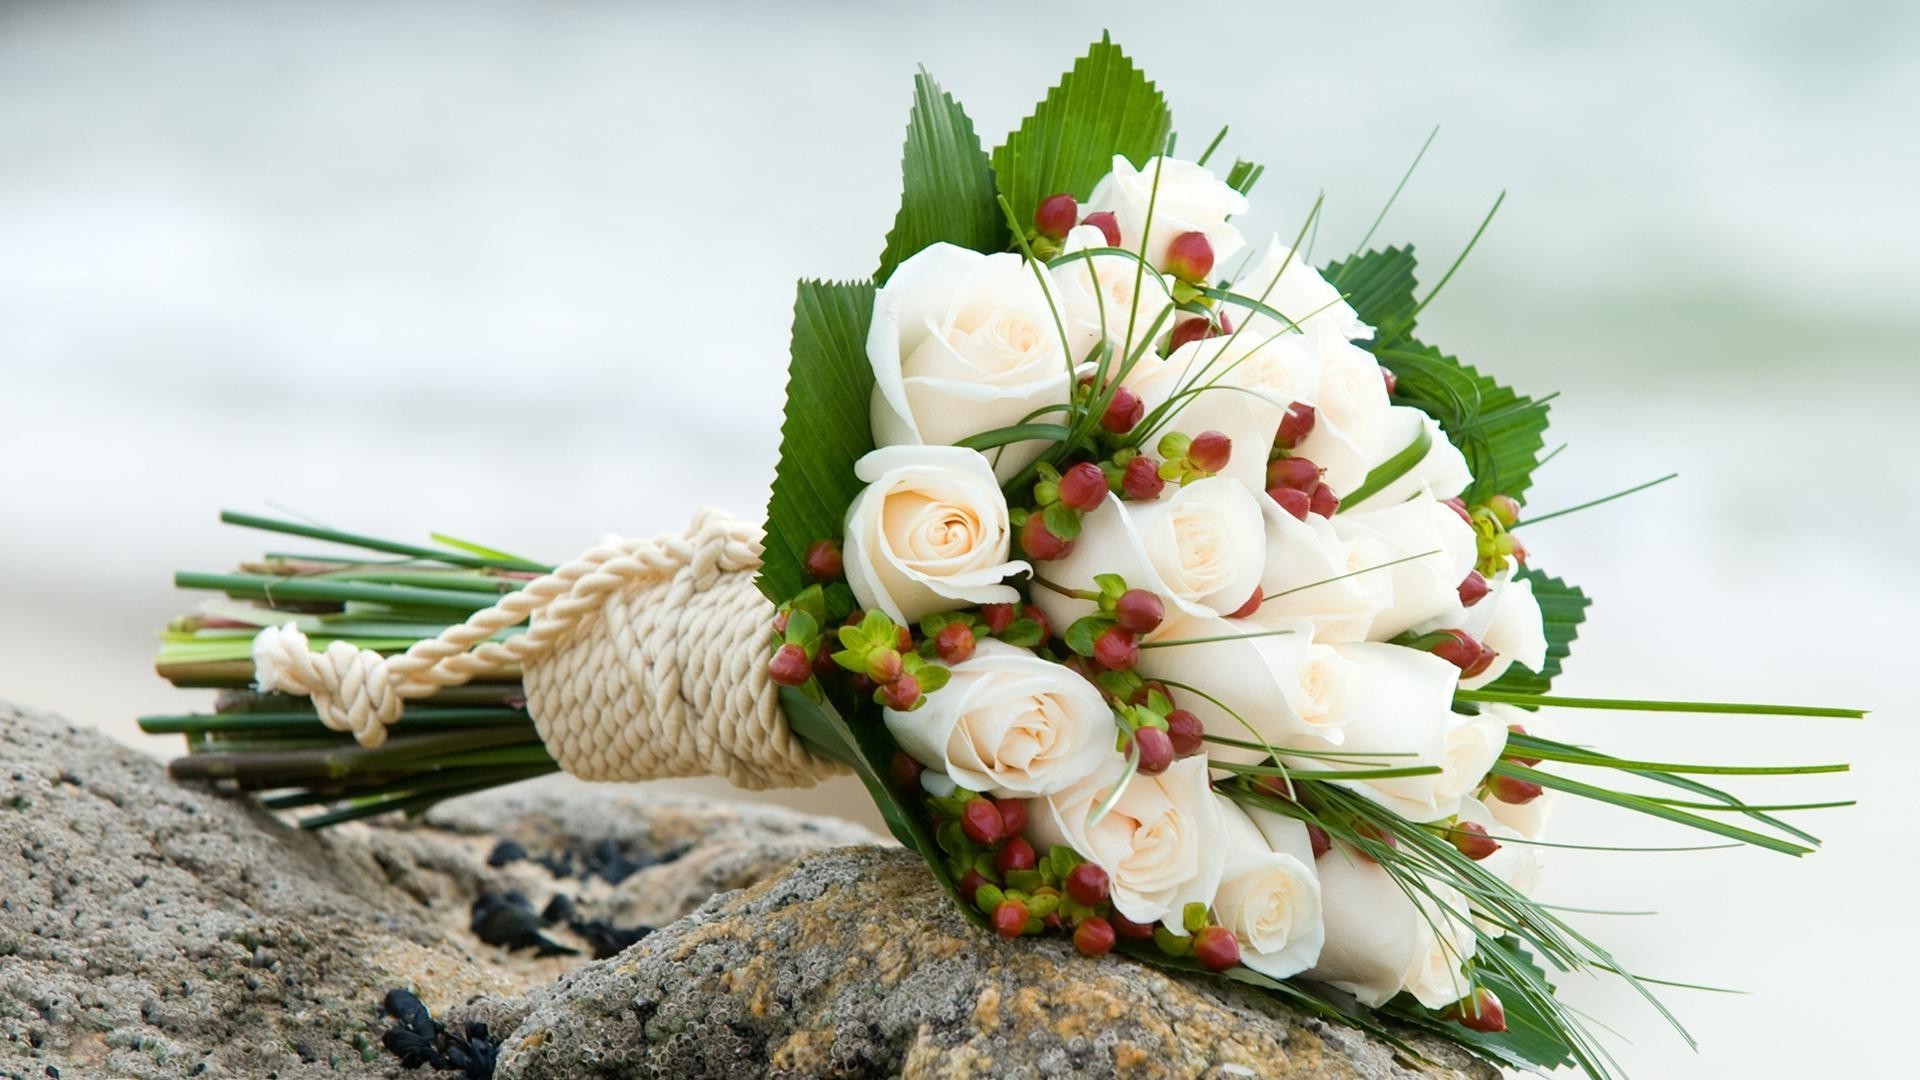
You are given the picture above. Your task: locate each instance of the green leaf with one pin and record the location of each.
(1244, 175)
(987, 440)
(1379, 286)
(1081, 633)
(1390, 470)
(1531, 1041)
(829, 387)
(865, 748)
(1103, 107)
(947, 183)
(1562, 608)
(1498, 431)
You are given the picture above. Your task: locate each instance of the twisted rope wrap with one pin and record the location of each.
(642, 659)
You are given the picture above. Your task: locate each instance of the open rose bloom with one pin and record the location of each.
(1166, 588)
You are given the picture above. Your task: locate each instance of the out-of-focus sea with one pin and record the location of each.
(522, 273)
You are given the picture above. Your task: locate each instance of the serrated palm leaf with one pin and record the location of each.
(1499, 431)
(947, 183)
(1104, 106)
(829, 384)
(1562, 608)
(1379, 285)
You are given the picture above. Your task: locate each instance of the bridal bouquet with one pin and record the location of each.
(1163, 587)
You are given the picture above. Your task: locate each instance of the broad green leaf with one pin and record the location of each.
(1103, 107)
(829, 384)
(863, 745)
(1379, 286)
(1500, 432)
(947, 183)
(1562, 608)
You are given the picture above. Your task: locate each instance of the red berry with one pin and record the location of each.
(1189, 256)
(1480, 1012)
(1032, 611)
(1216, 948)
(1124, 411)
(982, 823)
(1323, 501)
(1139, 611)
(1127, 928)
(1087, 884)
(1015, 854)
(997, 617)
(1512, 789)
(1472, 840)
(954, 642)
(1192, 330)
(823, 560)
(1293, 472)
(1093, 937)
(1293, 501)
(1055, 216)
(883, 666)
(1459, 506)
(905, 638)
(823, 664)
(1013, 815)
(1142, 481)
(903, 693)
(905, 771)
(1083, 487)
(1108, 225)
(1529, 762)
(1116, 649)
(780, 622)
(1464, 651)
(1473, 588)
(969, 884)
(1295, 426)
(1185, 732)
(1010, 919)
(790, 665)
(1053, 921)
(1392, 380)
(1519, 551)
(1279, 787)
(1210, 450)
(1156, 749)
(1041, 544)
(1246, 610)
(1322, 843)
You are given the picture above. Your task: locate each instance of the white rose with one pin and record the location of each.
(1185, 198)
(1269, 896)
(1405, 709)
(1515, 862)
(1295, 289)
(929, 533)
(1380, 942)
(1201, 551)
(1314, 574)
(963, 343)
(1159, 844)
(1426, 586)
(1106, 296)
(1508, 621)
(1011, 724)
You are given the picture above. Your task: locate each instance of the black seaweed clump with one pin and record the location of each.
(417, 1039)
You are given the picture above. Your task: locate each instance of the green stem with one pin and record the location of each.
(1501, 697)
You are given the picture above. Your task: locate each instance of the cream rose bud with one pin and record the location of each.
(1010, 724)
(1269, 896)
(1292, 287)
(1314, 574)
(1184, 198)
(1104, 297)
(1511, 625)
(1201, 550)
(929, 533)
(963, 343)
(1417, 552)
(1159, 843)
(1381, 942)
(1404, 709)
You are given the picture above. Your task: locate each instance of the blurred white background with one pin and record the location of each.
(522, 273)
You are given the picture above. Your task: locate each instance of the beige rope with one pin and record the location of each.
(642, 659)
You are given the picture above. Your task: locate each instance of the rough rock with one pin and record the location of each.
(151, 929)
